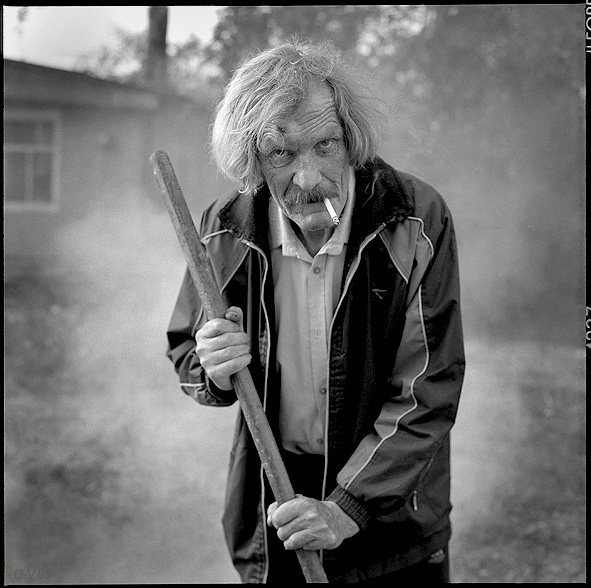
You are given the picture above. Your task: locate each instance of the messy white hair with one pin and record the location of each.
(271, 86)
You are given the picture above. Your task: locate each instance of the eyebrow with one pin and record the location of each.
(270, 136)
(274, 136)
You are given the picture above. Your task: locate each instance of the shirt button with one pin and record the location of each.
(320, 441)
(322, 390)
(316, 270)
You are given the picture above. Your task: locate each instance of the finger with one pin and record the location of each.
(272, 508)
(314, 545)
(234, 314)
(303, 540)
(223, 371)
(305, 522)
(222, 355)
(290, 510)
(208, 344)
(219, 326)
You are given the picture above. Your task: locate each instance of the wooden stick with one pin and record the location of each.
(215, 307)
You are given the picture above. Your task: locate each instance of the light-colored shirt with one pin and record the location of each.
(306, 295)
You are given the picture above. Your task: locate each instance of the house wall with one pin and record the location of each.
(182, 131)
(104, 160)
(96, 155)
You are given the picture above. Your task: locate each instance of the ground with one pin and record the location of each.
(112, 475)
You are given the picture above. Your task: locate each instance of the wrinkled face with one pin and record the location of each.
(304, 160)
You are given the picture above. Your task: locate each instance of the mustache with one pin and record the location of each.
(296, 197)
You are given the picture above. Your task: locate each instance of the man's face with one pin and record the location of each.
(304, 160)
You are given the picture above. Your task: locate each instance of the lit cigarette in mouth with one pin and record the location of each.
(331, 211)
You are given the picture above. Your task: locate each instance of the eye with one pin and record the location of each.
(327, 146)
(280, 157)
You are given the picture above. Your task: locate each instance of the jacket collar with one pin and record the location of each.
(380, 198)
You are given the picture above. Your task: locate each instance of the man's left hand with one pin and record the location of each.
(306, 523)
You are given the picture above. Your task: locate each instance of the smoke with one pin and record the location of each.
(492, 422)
(116, 477)
(515, 185)
(128, 484)
(515, 190)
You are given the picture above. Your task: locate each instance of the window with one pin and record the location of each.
(31, 142)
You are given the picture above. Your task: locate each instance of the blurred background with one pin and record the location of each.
(112, 475)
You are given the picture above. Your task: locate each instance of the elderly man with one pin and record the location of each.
(342, 279)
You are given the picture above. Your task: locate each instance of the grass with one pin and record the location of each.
(531, 527)
(114, 476)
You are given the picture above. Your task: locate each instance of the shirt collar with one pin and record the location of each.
(282, 234)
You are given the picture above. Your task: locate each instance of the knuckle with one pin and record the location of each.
(219, 326)
(209, 328)
(282, 534)
(291, 543)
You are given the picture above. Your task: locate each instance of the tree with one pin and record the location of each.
(120, 62)
(355, 29)
(484, 101)
(155, 64)
(149, 59)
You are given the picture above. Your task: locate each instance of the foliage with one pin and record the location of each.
(504, 82)
(123, 62)
(428, 52)
(242, 30)
(484, 101)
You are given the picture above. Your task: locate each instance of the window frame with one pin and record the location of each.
(36, 116)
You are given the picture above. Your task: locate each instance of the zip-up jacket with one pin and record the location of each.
(396, 366)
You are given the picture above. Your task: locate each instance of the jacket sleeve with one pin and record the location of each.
(187, 318)
(389, 464)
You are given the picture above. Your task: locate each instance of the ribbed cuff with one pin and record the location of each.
(222, 395)
(351, 506)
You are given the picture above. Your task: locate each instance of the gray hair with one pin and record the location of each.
(272, 85)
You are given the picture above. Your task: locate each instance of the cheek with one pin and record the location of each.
(272, 175)
(337, 167)
(277, 182)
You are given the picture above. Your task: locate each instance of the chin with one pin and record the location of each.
(312, 223)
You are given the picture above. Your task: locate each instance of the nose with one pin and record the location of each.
(307, 175)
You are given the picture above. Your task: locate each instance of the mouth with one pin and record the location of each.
(299, 201)
(308, 207)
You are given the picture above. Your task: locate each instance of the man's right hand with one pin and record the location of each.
(222, 347)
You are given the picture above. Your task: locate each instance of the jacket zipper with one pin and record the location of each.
(348, 280)
(415, 493)
(266, 379)
(414, 500)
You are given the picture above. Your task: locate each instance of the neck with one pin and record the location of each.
(313, 240)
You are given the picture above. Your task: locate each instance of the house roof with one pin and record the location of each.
(28, 82)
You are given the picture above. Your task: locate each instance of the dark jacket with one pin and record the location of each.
(395, 375)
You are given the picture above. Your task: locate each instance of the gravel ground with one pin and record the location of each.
(114, 476)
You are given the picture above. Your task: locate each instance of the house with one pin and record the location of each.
(73, 142)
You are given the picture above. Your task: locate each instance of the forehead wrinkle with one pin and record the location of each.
(320, 110)
(272, 135)
(314, 120)
(316, 125)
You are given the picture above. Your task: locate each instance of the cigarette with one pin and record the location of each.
(331, 211)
